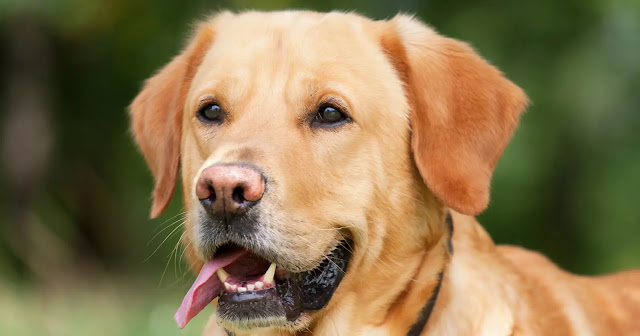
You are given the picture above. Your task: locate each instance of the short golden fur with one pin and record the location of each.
(431, 118)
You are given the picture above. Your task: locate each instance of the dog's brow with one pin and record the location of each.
(206, 99)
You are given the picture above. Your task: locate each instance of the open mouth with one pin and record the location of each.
(255, 293)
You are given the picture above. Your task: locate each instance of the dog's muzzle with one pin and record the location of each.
(257, 284)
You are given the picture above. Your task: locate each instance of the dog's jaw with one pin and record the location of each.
(410, 282)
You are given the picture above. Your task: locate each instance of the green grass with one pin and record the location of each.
(90, 309)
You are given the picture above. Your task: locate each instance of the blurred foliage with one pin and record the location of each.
(75, 235)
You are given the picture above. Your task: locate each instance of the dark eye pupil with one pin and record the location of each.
(211, 112)
(331, 114)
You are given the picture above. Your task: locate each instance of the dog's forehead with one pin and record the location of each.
(293, 52)
(291, 31)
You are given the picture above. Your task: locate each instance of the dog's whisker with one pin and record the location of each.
(175, 257)
(169, 259)
(418, 281)
(173, 225)
(379, 263)
(325, 255)
(395, 262)
(162, 243)
(337, 228)
(180, 260)
(184, 266)
(349, 247)
(184, 270)
(176, 222)
(181, 213)
(170, 221)
(307, 329)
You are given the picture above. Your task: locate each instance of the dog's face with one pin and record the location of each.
(318, 144)
(303, 108)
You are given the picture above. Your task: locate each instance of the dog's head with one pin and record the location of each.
(317, 150)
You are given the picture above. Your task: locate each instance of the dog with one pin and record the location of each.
(331, 166)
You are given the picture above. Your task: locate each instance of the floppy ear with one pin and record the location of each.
(463, 111)
(156, 116)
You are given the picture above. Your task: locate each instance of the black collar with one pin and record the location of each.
(425, 312)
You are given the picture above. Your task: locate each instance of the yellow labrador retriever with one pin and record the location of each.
(331, 166)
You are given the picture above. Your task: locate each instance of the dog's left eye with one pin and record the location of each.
(211, 113)
(329, 116)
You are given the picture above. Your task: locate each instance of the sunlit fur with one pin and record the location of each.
(430, 120)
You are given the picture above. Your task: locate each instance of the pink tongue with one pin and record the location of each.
(206, 288)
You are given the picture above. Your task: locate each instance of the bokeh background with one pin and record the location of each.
(78, 255)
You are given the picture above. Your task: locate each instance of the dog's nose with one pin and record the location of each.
(229, 189)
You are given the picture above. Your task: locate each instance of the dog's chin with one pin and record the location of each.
(288, 303)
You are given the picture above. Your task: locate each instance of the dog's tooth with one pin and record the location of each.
(222, 274)
(259, 284)
(234, 287)
(251, 287)
(268, 277)
(227, 286)
(242, 289)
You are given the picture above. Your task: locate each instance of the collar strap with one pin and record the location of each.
(425, 312)
(449, 222)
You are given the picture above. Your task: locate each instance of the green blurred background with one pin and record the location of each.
(78, 255)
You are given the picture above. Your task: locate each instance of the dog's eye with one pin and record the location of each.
(329, 116)
(211, 113)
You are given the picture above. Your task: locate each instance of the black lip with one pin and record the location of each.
(290, 297)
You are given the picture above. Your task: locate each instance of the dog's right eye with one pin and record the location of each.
(211, 113)
(329, 116)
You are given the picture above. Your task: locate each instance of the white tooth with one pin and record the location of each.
(251, 287)
(227, 286)
(222, 274)
(259, 285)
(234, 287)
(268, 277)
(242, 289)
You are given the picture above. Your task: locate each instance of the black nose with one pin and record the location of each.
(229, 189)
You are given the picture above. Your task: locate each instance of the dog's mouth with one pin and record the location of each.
(255, 293)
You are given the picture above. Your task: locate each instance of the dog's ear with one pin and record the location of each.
(463, 111)
(156, 116)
